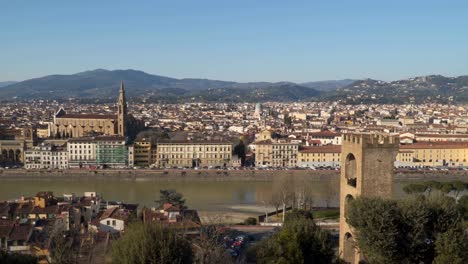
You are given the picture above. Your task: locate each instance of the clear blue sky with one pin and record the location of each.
(240, 40)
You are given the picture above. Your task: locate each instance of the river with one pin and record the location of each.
(236, 199)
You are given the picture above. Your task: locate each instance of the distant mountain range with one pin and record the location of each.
(103, 84)
(3, 84)
(432, 88)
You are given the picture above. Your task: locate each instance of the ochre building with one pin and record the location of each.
(194, 154)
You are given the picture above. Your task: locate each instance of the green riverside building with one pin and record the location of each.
(111, 152)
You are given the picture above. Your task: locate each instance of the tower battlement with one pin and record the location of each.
(367, 167)
(372, 140)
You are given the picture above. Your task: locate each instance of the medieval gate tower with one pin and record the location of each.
(367, 163)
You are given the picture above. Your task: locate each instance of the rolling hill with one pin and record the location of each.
(104, 83)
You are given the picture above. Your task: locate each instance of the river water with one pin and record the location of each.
(235, 198)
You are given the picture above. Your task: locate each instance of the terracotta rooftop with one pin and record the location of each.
(326, 133)
(436, 145)
(443, 135)
(193, 142)
(322, 149)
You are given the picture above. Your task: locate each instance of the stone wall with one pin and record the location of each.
(218, 175)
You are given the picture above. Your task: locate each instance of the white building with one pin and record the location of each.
(46, 156)
(326, 137)
(114, 220)
(81, 152)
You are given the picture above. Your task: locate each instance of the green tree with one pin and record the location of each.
(299, 241)
(452, 247)
(151, 243)
(404, 231)
(287, 120)
(378, 229)
(463, 204)
(172, 197)
(433, 185)
(459, 187)
(296, 214)
(423, 219)
(447, 187)
(415, 188)
(240, 150)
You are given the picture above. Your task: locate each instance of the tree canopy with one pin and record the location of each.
(429, 186)
(172, 197)
(153, 243)
(413, 230)
(299, 241)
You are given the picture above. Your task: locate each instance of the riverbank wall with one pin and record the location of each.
(213, 175)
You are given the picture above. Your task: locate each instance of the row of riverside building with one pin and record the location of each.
(113, 152)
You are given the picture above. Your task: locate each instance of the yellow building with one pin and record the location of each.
(320, 156)
(434, 154)
(271, 152)
(194, 154)
(276, 153)
(142, 152)
(43, 131)
(43, 199)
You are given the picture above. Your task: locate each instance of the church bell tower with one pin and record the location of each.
(122, 111)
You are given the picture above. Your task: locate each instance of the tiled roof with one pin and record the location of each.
(20, 232)
(443, 135)
(436, 145)
(322, 149)
(88, 116)
(326, 133)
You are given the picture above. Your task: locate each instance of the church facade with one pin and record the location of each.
(81, 125)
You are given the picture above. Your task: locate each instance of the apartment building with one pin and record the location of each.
(271, 152)
(143, 152)
(326, 137)
(319, 156)
(194, 154)
(111, 152)
(103, 151)
(276, 153)
(81, 152)
(434, 154)
(46, 156)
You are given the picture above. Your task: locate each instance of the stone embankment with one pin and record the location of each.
(217, 175)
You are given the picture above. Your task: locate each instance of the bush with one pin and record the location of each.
(452, 247)
(250, 221)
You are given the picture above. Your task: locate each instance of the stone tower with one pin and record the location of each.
(367, 163)
(122, 111)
